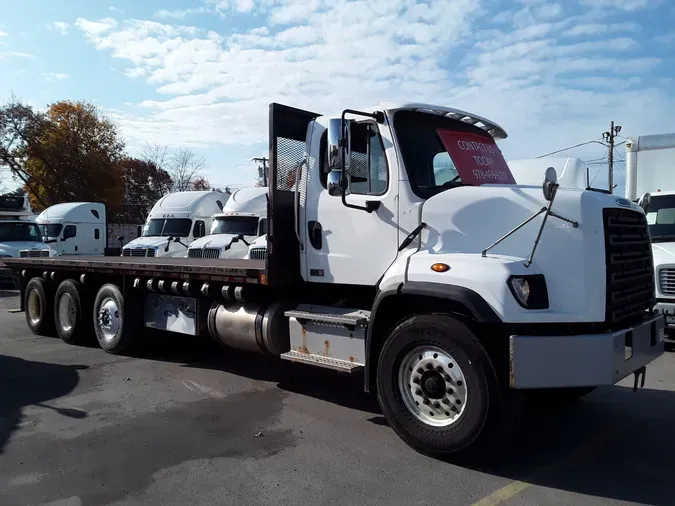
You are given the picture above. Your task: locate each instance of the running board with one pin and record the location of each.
(321, 361)
(327, 314)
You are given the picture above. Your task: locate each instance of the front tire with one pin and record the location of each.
(115, 326)
(38, 307)
(436, 385)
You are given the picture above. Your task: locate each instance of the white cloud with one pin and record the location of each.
(626, 5)
(15, 54)
(116, 10)
(179, 13)
(3, 34)
(517, 68)
(54, 76)
(94, 28)
(601, 29)
(59, 26)
(666, 38)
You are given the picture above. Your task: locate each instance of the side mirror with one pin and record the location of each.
(645, 202)
(550, 185)
(176, 239)
(339, 144)
(120, 238)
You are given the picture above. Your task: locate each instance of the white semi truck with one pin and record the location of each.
(75, 228)
(19, 235)
(450, 295)
(174, 222)
(243, 219)
(650, 180)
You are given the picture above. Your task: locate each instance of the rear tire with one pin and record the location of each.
(437, 387)
(114, 324)
(71, 317)
(39, 308)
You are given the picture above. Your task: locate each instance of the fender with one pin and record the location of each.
(472, 301)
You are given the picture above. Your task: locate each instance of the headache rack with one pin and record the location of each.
(630, 267)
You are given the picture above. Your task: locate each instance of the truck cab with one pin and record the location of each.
(244, 218)
(20, 236)
(174, 222)
(75, 228)
(650, 181)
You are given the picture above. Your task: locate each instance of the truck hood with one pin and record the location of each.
(464, 221)
(219, 241)
(148, 242)
(12, 248)
(664, 253)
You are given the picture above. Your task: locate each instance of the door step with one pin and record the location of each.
(329, 314)
(321, 361)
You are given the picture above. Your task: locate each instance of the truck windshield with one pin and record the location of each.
(430, 167)
(51, 231)
(235, 225)
(177, 227)
(14, 231)
(661, 218)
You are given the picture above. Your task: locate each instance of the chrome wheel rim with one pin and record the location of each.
(433, 386)
(108, 319)
(33, 307)
(66, 311)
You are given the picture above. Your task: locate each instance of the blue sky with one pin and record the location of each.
(201, 73)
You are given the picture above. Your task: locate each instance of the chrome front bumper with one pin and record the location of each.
(668, 310)
(584, 360)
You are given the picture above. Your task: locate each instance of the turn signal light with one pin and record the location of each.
(440, 267)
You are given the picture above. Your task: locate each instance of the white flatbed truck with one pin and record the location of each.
(449, 292)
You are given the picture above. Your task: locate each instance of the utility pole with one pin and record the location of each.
(609, 138)
(262, 169)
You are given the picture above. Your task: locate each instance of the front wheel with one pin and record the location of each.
(436, 385)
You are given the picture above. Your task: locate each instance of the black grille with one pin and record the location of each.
(28, 253)
(204, 253)
(257, 253)
(138, 252)
(630, 267)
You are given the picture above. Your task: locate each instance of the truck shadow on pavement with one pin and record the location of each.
(614, 443)
(202, 353)
(26, 383)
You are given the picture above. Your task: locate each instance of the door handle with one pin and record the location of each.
(315, 233)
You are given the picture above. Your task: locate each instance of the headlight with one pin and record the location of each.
(529, 291)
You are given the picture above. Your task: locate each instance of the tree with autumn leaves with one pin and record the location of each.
(73, 152)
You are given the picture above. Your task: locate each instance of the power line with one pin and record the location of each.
(573, 147)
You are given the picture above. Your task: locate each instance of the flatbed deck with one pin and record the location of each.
(205, 269)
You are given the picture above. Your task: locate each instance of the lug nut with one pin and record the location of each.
(429, 366)
(459, 383)
(450, 391)
(458, 402)
(439, 369)
(446, 401)
(426, 402)
(418, 391)
(416, 381)
(420, 371)
(447, 378)
(437, 405)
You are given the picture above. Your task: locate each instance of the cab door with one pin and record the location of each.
(343, 244)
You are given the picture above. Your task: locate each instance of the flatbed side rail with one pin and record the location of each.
(226, 270)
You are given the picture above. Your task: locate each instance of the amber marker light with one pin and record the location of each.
(440, 267)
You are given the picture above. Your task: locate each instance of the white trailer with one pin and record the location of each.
(449, 294)
(174, 222)
(244, 218)
(650, 179)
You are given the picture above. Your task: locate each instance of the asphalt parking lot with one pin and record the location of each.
(185, 423)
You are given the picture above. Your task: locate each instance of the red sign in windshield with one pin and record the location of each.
(477, 159)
